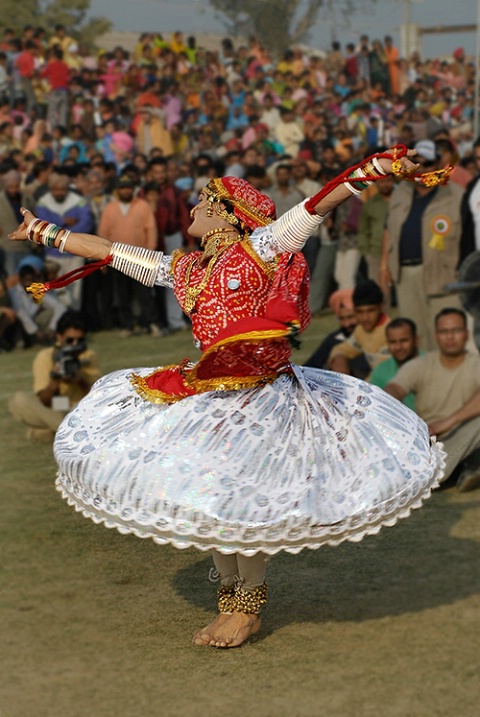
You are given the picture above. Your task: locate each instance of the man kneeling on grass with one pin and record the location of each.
(368, 337)
(402, 343)
(446, 384)
(62, 375)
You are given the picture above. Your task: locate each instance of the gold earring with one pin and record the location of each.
(209, 211)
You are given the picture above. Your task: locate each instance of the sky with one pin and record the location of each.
(382, 17)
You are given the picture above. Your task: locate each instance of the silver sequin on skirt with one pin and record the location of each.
(313, 458)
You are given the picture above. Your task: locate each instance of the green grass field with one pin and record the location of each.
(96, 624)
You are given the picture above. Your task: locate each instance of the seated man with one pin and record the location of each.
(62, 375)
(402, 341)
(342, 306)
(37, 321)
(446, 384)
(368, 338)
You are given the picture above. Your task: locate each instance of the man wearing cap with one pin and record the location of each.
(421, 246)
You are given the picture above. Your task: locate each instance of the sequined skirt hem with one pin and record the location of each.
(286, 537)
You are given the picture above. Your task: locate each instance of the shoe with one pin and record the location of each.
(156, 331)
(176, 329)
(468, 480)
(40, 435)
(139, 331)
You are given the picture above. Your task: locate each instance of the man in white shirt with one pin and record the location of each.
(470, 210)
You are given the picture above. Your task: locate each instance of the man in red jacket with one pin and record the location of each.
(25, 62)
(58, 75)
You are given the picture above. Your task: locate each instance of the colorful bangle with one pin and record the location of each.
(37, 230)
(30, 228)
(50, 235)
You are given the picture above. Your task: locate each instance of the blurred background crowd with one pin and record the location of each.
(120, 143)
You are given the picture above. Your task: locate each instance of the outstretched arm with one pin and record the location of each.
(292, 230)
(88, 246)
(141, 264)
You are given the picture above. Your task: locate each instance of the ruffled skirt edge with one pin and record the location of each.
(228, 539)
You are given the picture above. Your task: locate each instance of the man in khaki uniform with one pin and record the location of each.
(62, 375)
(421, 246)
(446, 384)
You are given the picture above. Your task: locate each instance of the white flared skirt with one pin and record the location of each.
(313, 458)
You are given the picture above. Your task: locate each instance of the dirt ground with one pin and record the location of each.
(97, 624)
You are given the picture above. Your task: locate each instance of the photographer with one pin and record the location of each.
(62, 376)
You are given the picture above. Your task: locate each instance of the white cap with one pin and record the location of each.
(426, 149)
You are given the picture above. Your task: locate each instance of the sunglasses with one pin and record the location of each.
(70, 340)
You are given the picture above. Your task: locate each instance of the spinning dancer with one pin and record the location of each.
(242, 453)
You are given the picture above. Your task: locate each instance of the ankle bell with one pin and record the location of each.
(250, 601)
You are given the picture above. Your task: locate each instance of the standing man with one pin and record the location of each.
(130, 220)
(25, 63)
(371, 226)
(173, 219)
(421, 246)
(470, 240)
(446, 384)
(57, 73)
(283, 193)
(10, 204)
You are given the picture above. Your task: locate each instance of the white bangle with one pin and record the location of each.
(378, 166)
(30, 227)
(352, 189)
(293, 228)
(63, 240)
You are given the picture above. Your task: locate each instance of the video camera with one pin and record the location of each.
(66, 360)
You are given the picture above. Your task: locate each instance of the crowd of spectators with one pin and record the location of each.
(120, 143)
(77, 127)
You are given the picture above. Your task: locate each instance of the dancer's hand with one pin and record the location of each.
(409, 166)
(20, 233)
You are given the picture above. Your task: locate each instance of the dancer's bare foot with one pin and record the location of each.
(205, 635)
(235, 630)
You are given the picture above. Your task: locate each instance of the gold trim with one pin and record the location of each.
(229, 383)
(153, 395)
(213, 249)
(177, 254)
(232, 382)
(202, 385)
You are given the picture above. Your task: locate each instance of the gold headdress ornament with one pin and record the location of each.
(250, 206)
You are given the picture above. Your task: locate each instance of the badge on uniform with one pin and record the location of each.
(440, 227)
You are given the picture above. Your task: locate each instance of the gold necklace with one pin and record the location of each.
(214, 243)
